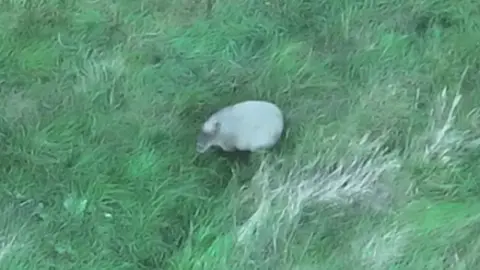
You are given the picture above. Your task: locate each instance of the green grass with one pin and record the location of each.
(101, 102)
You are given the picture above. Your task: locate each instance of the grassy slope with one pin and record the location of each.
(101, 102)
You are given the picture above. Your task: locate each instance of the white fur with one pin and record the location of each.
(248, 126)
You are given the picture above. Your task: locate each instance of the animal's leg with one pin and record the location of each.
(228, 148)
(228, 144)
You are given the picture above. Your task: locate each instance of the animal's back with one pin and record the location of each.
(257, 124)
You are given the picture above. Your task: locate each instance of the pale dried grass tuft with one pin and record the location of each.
(280, 192)
(380, 249)
(443, 141)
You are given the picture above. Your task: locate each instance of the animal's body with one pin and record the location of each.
(246, 126)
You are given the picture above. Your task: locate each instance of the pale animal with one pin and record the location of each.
(246, 126)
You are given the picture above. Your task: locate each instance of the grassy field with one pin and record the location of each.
(101, 102)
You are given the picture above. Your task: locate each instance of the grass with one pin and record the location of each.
(101, 102)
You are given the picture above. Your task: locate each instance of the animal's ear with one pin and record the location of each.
(217, 127)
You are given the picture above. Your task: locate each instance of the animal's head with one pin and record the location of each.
(207, 136)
